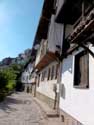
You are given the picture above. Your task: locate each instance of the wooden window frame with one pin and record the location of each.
(52, 72)
(84, 86)
(49, 72)
(43, 75)
(39, 80)
(56, 71)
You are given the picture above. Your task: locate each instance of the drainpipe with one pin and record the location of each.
(58, 87)
(60, 72)
(35, 87)
(36, 71)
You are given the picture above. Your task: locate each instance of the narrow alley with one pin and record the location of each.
(20, 109)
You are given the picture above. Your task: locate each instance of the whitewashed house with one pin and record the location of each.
(26, 77)
(65, 57)
(77, 80)
(47, 57)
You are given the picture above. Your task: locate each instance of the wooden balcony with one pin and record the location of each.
(45, 60)
(83, 30)
(41, 51)
(44, 56)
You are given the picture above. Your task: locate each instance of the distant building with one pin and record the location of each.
(26, 78)
(77, 81)
(46, 65)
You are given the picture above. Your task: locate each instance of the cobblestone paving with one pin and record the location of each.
(20, 109)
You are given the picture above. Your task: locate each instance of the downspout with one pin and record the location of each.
(35, 83)
(60, 71)
(35, 87)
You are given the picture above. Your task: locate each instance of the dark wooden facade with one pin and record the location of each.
(80, 15)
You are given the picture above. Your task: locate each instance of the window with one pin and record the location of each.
(81, 70)
(48, 74)
(38, 80)
(29, 77)
(56, 73)
(52, 73)
(23, 78)
(43, 76)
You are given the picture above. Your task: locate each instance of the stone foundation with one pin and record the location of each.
(68, 120)
(46, 99)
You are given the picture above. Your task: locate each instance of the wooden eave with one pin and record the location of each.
(46, 60)
(82, 38)
(42, 29)
(43, 25)
(72, 49)
(86, 31)
(85, 36)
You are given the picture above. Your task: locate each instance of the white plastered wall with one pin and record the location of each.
(46, 86)
(79, 103)
(55, 35)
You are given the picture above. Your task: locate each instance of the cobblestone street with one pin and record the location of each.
(20, 109)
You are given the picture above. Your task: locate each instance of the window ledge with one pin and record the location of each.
(81, 87)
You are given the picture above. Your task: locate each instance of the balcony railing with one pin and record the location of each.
(83, 28)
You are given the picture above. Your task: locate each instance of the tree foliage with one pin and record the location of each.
(6, 76)
(18, 68)
(9, 77)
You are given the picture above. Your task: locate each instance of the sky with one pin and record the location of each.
(18, 24)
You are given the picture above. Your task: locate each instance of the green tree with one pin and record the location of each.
(9, 79)
(18, 68)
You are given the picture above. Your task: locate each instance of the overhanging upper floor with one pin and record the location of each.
(84, 30)
(69, 11)
(50, 46)
(46, 60)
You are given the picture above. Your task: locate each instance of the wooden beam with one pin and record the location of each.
(87, 49)
(87, 28)
(83, 10)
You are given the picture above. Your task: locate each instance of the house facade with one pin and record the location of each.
(77, 81)
(47, 75)
(26, 77)
(47, 61)
(64, 59)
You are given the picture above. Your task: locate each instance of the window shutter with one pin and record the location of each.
(81, 76)
(86, 70)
